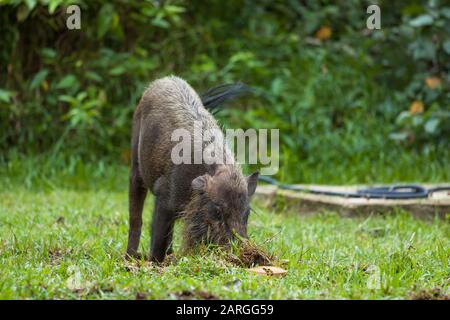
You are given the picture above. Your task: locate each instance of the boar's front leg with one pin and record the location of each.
(162, 231)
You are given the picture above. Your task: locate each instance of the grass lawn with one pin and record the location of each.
(69, 244)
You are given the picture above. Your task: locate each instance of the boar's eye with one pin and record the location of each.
(214, 211)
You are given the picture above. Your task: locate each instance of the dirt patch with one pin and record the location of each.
(193, 295)
(135, 266)
(429, 294)
(141, 296)
(138, 263)
(206, 295)
(169, 260)
(86, 288)
(60, 220)
(57, 254)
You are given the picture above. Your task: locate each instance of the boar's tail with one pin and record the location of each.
(213, 98)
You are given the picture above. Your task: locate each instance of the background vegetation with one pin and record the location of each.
(352, 105)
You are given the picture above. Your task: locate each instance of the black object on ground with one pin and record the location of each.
(407, 191)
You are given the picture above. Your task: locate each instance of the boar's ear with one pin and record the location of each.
(251, 183)
(200, 182)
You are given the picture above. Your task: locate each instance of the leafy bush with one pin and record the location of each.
(348, 101)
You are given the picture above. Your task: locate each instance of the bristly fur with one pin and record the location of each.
(195, 230)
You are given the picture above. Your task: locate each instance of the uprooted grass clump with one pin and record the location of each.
(241, 252)
(247, 254)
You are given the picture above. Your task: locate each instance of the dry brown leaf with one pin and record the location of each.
(268, 271)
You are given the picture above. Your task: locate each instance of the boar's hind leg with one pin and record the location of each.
(162, 230)
(137, 194)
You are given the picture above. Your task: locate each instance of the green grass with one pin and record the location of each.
(69, 243)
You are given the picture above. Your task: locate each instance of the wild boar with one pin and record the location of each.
(212, 199)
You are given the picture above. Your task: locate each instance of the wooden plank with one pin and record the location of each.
(307, 203)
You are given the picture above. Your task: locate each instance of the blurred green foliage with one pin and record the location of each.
(341, 95)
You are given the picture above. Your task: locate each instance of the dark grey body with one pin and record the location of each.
(169, 103)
